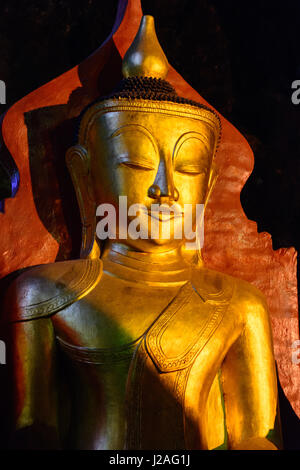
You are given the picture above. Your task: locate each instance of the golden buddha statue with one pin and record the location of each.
(137, 345)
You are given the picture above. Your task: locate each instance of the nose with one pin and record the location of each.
(155, 193)
(163, 185)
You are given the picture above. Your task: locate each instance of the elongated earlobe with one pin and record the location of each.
(213, 176)
(78, 164)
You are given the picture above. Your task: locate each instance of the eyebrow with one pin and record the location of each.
(138, 128)
(190, 135)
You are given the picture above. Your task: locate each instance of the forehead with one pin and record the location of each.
(164, 127)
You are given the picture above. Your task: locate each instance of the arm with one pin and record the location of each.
(34, 383)
(249, 381)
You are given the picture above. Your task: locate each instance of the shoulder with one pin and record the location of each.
(252, 305)
(213, 285)
(245, 297)
(43, 290)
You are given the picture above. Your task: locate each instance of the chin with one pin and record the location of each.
(154, 245)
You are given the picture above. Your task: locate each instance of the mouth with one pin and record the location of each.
(164, 214)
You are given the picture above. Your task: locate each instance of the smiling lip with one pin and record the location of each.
(163, 216)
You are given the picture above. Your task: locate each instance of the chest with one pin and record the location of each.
(175, 322)
(114, 314)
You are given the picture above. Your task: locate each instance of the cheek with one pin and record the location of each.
(111, 182)
(192, 189)
(133, 183)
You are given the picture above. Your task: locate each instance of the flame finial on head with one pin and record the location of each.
(145, 56)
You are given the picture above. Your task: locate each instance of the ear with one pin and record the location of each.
(196, 257)
(77, 161)
(213, 176)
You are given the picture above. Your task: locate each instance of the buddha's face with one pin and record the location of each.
(152, 157)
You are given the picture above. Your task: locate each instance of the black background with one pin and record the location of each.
(241, 56)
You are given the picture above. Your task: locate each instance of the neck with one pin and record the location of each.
(151, 268)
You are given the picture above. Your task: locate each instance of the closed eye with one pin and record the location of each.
(135, 163)
(190, 170)
(137, 166)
